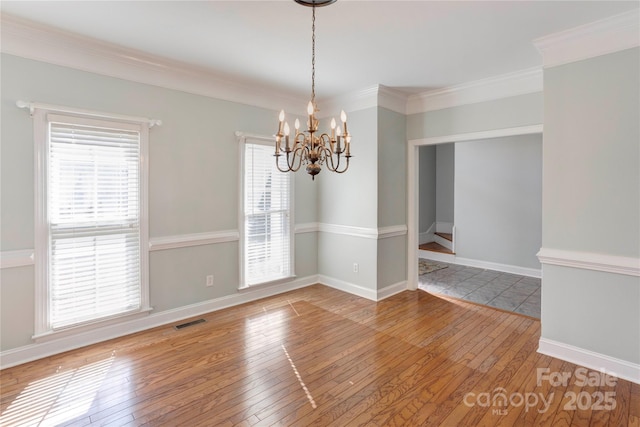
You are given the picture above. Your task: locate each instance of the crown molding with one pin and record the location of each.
(43, 43)
(47, 44)
(372, 96)
(503, 86)
(609, 35)
(392, 99)
(352, 101)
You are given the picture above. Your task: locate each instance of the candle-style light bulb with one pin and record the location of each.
(286, 137)
(343, 117)
(281, 119)
(310, 112)
(297, 125)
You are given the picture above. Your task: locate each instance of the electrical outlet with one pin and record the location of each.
(355, 267)
(210, 280)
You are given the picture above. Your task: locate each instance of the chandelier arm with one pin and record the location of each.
(297, 153)
(346, 166)
(335, 166)
(278, 165)
(326, 140)
(299, 140)
(329, 161)
(290, 159)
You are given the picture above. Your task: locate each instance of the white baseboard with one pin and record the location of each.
(437, 256)
(370, 294)
(589, 359)
(505, 268)
(36, 351)
(443, 242)
(427, 236)
(348, 287)
(390, 290)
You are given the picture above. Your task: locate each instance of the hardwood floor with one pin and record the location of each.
(318, 356)
(435, 247)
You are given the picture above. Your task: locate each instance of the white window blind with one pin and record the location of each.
(267, 224)
(93, 220)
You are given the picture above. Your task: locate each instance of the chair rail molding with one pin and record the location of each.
(364, 232)
(194, 239)
(19, 258)
(590, 261)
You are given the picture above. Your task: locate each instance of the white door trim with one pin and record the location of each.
(413, 185)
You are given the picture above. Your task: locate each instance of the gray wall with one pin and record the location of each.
(371, 195)
(591, 202)
(392, 196)
(521, 110)
(498, 199)
(445, 178)
(427, 187)
(436, 183)
(392, 175)
(351, 199)
(193, 186)
(194, 189)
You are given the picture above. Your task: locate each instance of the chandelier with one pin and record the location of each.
(308, 147)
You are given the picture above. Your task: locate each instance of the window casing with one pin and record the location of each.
(266, 224)
(91, 220)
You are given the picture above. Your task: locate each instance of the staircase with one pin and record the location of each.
(443, 243)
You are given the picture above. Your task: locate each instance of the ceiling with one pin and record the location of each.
(412, 46)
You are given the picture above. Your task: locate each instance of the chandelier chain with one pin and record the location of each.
(313, 56)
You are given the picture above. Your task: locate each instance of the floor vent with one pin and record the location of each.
(185, 325)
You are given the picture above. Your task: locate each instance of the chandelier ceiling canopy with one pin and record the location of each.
(315, 3)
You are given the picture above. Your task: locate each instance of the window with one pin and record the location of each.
(91, 235)
(266, 233)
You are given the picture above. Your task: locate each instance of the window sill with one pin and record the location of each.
(287, 279)
(89, 326)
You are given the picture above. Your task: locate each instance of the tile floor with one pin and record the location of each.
(506, 291)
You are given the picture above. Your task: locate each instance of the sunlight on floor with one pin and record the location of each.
(58, 398)
(302, 384)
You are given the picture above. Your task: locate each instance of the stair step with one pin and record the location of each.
(435, 247)
(447, 236)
